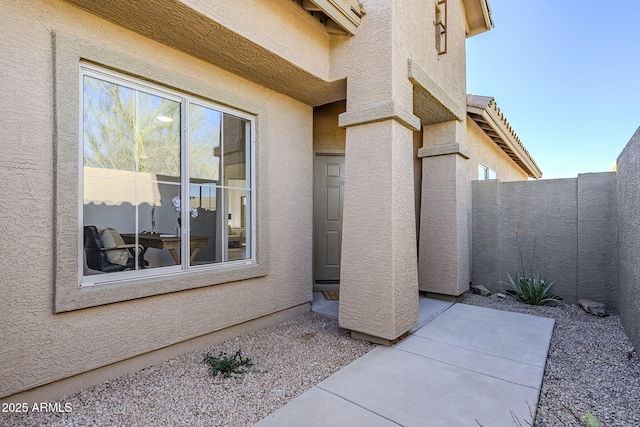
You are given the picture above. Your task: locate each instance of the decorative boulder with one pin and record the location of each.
(480, 290)
(593, 307)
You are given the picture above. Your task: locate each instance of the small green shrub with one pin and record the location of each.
(226, 365)
(591, 420)
(532, 290)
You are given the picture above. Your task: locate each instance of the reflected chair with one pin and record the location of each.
(106, 251)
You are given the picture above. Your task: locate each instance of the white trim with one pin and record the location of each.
(341, 12)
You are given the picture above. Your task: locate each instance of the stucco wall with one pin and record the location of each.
(446, 245)
(327, 136)
(564, 229)
(629, 238)
(276, 44)
(415, 39)
(39, 346)
(484, 150)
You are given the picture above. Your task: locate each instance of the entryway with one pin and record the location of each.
(327, 220)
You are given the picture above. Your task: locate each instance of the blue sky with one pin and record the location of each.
(566, 75)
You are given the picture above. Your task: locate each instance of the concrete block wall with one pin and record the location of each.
(628, 189)
(563, 229)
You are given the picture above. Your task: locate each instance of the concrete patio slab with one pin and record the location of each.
(487, 364)
(319, 408)
(515, 336)
(320, 305)
(464, 366)
(428, 307)
(412, 390)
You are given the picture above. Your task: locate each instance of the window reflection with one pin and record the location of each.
(132, 175)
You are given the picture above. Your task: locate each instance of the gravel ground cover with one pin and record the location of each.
(289, 359)
(592, 366)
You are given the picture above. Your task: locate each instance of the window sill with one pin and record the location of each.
(87, 295)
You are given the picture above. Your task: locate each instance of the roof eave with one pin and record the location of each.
(478, 17)
(484, 111)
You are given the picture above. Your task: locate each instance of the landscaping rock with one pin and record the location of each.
(593, 307)
(480, 290)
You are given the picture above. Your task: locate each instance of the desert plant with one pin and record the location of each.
(532, 289)
(591, 420)
(226, 365)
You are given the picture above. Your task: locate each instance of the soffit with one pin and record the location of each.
(484, 111)
(431, 103)
(342, 16)
(478, 14)
(175, 24)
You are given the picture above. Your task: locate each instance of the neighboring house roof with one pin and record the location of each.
(484, 111)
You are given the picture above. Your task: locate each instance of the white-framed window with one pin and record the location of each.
(485, 172)
(162, 174)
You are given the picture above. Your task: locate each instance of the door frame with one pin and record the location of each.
(319, 287)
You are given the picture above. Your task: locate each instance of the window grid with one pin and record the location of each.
(184, 182)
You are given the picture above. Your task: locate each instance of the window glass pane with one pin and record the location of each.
(235, 132)
(492, 174)
(157, 134)
(131, 156)
(204, 143)
(239, 217)
(482, 172)
(205, 206)
(109, 125)
(159, 221)
(131, 159)
(108, 210)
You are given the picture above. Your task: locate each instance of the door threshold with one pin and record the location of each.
(326, 285)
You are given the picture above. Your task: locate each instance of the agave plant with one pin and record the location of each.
(532, 290)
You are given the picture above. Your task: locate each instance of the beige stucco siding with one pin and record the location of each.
(39, 346)
(414, 39)
(366, 60)
(327, 135)
(282, 27)
(484, 150)
(274, 43)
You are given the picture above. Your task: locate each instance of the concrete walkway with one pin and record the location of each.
(461, 366)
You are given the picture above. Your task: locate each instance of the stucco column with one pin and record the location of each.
(444, 232)
(378, 280)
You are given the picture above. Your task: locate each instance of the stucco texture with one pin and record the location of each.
(327, 136)
(483, 149)
(39, 346)
(629, 238)
(563, 229)
(378, 286)
(276, 44)
(446, 216)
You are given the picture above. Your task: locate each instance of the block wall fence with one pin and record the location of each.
(628, 189)
(563, 229)
(582, 232)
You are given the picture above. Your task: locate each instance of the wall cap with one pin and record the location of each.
(444, 150)
(387, 110)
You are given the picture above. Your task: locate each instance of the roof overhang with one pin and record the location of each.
(344, 15)
(431, 103)
(478, 14)
(484, 111)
